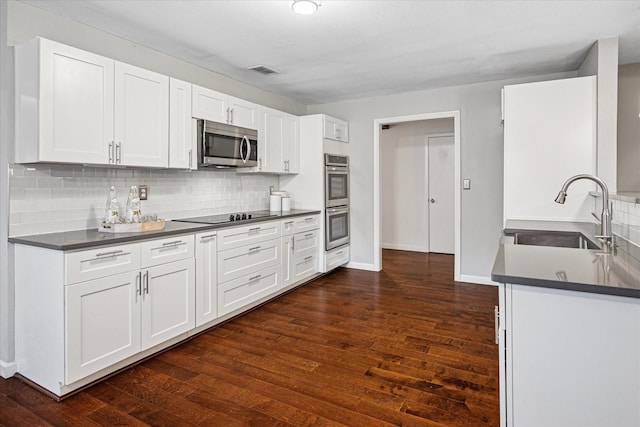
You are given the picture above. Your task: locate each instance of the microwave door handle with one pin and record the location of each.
(245, 140)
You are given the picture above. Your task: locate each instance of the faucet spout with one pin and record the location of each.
(605, 215)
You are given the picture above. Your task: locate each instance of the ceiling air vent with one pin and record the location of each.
(263, 69)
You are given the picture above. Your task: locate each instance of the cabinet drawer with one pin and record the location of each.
(305, 242)
(306, 223)
(161, 251)
(236, 237)
(336, 258)
(246, 260)
(305, 265)
(105, 261)
(245, 290)
(287, 227)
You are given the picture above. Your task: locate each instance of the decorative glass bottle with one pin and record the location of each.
(111, 210)
(134, 212)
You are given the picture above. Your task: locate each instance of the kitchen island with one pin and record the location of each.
(568, 330)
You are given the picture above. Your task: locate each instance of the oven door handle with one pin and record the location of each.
(337, 210)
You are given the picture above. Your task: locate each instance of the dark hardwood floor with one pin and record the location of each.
(405, 346)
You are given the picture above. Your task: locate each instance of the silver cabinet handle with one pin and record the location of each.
(228, 116)
(111, 254)
(138, 285)
(146, 282)
(254, 248)
(118, 153)
(111, 152)
(254, 230)
(308, 258)
(496, 320)
(208, 236)
(339, 253)
(174, 243)
(190, 159)
(309, 219)
(309, 235)
(293, 243)
(259, 163)
(231, 112)
(254, 278)
(288, 223)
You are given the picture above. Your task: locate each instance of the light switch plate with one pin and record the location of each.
(466, 184)
(143, 192)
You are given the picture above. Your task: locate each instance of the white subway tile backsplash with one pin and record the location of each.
(53, 198)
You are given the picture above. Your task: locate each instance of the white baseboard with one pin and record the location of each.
(361, 266)
(8, 369)
(481, 280)
(400, 247)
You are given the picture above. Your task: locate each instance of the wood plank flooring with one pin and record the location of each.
(405, 346)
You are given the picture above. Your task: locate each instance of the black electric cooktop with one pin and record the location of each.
(230, 217)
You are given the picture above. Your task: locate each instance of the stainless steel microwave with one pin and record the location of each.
(223, 146)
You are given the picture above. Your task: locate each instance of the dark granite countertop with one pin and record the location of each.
(580, 270)
(83, 239)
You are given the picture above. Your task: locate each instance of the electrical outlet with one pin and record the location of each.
(143, 192)
(466, 184)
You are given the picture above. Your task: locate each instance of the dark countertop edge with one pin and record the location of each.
(120, 238)
(567, 286)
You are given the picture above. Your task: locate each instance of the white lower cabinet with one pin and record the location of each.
(249, 265)
(300, 250)
(168, 300)
(568, 358)
(206, 277)
(102, 323)
(337, 257)
(96, 308)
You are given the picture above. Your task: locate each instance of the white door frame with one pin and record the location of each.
(377, 248)
(427, 204)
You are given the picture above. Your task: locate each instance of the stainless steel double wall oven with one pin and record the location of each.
(336, 190)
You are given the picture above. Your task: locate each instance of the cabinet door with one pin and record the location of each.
(336, 129)
(235, 237)
(182, 141)
(306, 223)
(245, 290)
(102, 323)
(274, 162)
(142, 117)
(290, 144)
(208, 104)
(206, 278)
(76, 106)
(305, 242)
(287, 260)
(169, 249)
(243, 113)
(168, 301)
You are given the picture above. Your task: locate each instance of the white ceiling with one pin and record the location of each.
(354, 49)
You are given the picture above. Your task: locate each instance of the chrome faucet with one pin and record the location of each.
(605, 217)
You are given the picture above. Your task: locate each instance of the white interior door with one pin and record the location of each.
(441, 204)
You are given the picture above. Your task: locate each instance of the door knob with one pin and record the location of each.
(432, 200)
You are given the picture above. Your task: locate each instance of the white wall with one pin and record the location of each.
(629, 128)
(7, 367)
(403, 182)
(481, 161)
(602, 61)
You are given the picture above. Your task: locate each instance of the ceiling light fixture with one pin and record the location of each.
(305, 7)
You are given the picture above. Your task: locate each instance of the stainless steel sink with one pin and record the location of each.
(559, 239)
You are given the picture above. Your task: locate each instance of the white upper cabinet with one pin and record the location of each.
(74, 106)
(182, 141)
(336, 129)
(278, 143)
(218, 107)
(291, 144)
(142, 117)
(64, 104)
(549, 136)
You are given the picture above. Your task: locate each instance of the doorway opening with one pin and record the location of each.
(415, 182)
